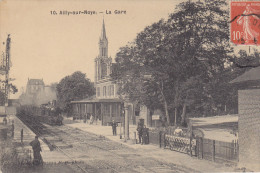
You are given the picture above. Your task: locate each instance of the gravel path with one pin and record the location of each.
(99, 154)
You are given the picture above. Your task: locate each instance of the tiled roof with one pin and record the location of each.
(98, 100)
(35, 82)
(250, 75)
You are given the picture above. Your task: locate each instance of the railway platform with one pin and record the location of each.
(28, 136)
(153, 151)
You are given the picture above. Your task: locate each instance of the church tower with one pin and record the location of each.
(103, 43)
(103, 62)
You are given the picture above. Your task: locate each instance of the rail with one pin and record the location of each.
(40, 134)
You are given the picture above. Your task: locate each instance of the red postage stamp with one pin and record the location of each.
(245, 23)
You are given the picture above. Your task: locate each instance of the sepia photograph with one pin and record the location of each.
(129, 86)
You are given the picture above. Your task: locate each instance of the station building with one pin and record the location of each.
(107, 105)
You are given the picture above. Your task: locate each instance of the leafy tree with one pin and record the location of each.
(183, 56)
(12, 88)
(73, 87)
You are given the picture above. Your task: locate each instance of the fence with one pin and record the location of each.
(181, 144)
(200, 147)
(217, 150)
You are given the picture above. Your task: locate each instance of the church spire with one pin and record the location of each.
(103, 43)
(103, 32)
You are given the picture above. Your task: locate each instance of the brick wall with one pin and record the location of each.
(249, 128)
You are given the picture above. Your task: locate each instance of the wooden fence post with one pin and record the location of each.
(237, 150)
(164, 140)
(190, 146)
(197, 148)
(201, 145)
(213, 150)
(233, 149)
(160, 139)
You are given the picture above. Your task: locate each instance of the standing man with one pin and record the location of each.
(5, 121)
(12, 129)
(85, 118)
(140, 131)
(22, 136)
(91, 119)
(114, 125)
(36, 146)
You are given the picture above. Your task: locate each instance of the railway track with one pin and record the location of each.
(45, 131)
(86, 139)
(99, 154)
(40, 130)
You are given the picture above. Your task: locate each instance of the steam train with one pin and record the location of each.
(50, 115)
(45, 113)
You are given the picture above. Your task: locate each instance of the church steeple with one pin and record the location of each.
(103, 43)
(103, 32)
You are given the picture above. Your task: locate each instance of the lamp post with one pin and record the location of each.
(126, 114)
(125, 99)
(126, 132)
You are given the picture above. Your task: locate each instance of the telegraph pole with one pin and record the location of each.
(5, 67)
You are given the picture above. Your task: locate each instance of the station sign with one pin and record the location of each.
(155, 117)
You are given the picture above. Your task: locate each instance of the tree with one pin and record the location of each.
(12, 88)
(73, 87)
(183, 55)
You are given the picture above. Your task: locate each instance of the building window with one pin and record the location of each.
(114, 110)
(109, 92)
(103, 69)
(103, 51)
(104, 91)
(98, 91)
(112, 90)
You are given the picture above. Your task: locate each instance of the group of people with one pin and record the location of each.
(91, 119)
(143, 133)
(85, 118)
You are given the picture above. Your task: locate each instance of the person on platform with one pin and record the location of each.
(36, 146)
(5, 121)
(114, 125)
(145, 136)
(178, 132)
(22, 136)
(12, 129)
(140, 131)
(91, 119)
(85, 118)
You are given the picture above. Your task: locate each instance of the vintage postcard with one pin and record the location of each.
(129, 86)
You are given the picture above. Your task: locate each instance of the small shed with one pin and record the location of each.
(249, 118)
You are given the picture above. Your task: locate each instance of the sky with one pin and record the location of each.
(49, 47)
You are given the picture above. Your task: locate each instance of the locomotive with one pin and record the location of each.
(50, 114)
(45, 113)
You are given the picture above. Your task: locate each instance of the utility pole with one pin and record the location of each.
(5, 67)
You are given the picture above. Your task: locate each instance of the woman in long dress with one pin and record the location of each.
(248, 32)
